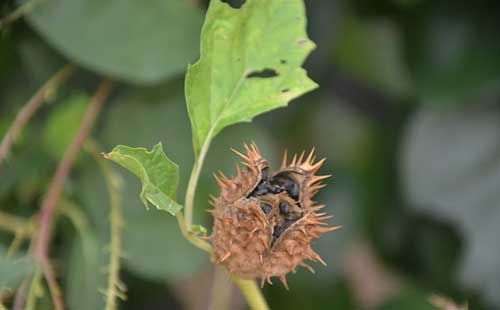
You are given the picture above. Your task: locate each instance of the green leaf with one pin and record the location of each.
(451, 171)
(250, 63)
(158, 174)
(410, 299)
(14, 270)
(85, 279)
(443, 54)
(130, 40)
(199, 230)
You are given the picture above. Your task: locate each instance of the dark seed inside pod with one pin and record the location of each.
(284, 208)
(261, 189)
(288, 223)
(264, 186)
(284, 183)
(278, 230)
(280, 183)
(293, 191)
(266, 207)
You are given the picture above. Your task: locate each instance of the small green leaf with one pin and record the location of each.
(158, 174)
(63, 124)
(250, 63)
(199, 230)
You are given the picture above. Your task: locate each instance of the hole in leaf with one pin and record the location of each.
(286, 90)
(235, 4)
(266, 73)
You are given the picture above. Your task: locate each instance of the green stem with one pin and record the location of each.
(116, 288)
(189, 236)
(16, 224)
(29, 109)
(34, 290)
(252, 293)
(193, 181)
(22, 10)
(249, 288)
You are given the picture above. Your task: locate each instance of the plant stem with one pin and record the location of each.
(22, 10)
(252, 293)
(46, 221)
(33, 291)
(193, 180)
(15, 244)
(188, 235)
(29, 109)
(249, 288)
(21, 293)
(186, 222)
(115, 287)
(15, 224)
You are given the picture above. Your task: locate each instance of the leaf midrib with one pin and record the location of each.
(213, 125)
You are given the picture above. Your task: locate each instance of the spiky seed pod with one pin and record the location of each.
(264, 224)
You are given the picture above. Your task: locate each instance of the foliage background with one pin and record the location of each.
(407, 114)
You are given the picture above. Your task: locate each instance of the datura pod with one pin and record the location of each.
(264, 223)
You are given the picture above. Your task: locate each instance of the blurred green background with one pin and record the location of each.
(407, 114)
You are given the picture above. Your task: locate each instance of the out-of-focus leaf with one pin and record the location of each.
(250, 63)
(63, 124)
(27, 173)
(14, 270)
(85, 276)
(372, 52)
(39, 60)
(339, 131)
(131, 40)
(167, 256)
(453, 52)
(451, 170)
(158, 174)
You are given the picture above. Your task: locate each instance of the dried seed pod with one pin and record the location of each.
(264, 224)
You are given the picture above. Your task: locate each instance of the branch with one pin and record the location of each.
(16, 224)
(22, 10)
(115, 288)
(29, 109)
(193, 181)
(189, 236)
(249, 288)
(46, 220)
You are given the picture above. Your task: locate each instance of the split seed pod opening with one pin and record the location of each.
(264, 222)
